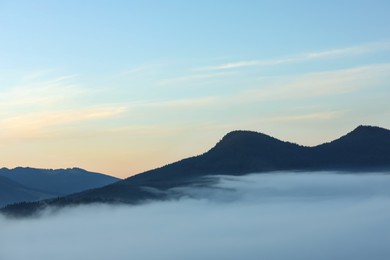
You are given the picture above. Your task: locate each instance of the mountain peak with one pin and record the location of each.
(367, 128)
(368, 131)
(238, 136)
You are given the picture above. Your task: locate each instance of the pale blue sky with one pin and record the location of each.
(125, 86)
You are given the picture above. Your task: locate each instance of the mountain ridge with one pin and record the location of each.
(37, 184)
(13, 192)
(239, 152)
(229, 142)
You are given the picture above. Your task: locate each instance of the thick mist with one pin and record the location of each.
(260, 216)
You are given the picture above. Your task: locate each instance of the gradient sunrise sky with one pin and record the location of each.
(120, 87)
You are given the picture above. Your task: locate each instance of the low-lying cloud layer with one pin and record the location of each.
(264, 216)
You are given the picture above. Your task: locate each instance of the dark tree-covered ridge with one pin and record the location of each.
(365, 149)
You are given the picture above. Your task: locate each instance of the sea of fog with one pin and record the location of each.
(319, 215)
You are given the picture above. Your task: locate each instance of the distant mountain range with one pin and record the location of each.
(29, 184)
(365, 149)
(13, 192)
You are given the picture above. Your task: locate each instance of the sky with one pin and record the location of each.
(261, 216)
(121, 87)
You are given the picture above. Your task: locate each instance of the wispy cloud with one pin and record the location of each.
(322, 83)
(242, 64)
(142, 69)
(41, 124)
(354, 50)
(37, 74)
(33, 109)
(333, 53)
(232, 65)
(192, 77)
(290, 90)
(298, 87)
(308, 116)
(40, 93)
(176, 103)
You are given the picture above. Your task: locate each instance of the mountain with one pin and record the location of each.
(13, 192)
(29, 184)
(366, 148)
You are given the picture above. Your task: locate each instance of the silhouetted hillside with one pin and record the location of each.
(29, 184)
(13, 192)
(240, 152)
(366, 147)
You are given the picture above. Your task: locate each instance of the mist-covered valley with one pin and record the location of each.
(284, 215)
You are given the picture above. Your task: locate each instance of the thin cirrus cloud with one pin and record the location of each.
(39, 125)
(30, 111)
(305, 86)
(161, 116)
(308, 116)
(250, 63)
(333, 53)
(323, 83)
(299, 88)
(176, 103)
(40, 93)
(193, 77)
